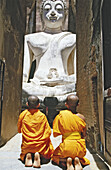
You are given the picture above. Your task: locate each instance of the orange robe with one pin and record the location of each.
(36, 133)
(70, 126)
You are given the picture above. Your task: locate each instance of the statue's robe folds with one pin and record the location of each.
(70, 126)
(36, 133)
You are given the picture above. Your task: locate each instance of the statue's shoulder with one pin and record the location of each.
(67, 33)
(67, 39)
(36, 35)
(38, 38)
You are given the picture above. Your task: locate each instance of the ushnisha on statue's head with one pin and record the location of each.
(53, 15)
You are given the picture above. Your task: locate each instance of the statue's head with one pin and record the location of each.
(53, 13)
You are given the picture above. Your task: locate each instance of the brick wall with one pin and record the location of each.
(12, 24)
(89, 69)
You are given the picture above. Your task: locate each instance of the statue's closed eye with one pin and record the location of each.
(47, 7)
(59, 7)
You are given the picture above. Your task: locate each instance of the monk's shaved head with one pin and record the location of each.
(33, 101)
(72, 100)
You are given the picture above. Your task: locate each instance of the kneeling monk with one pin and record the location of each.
(71, 125)
(35, 129)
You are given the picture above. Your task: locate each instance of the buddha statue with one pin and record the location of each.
(54, 51)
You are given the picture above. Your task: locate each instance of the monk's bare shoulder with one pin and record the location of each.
(81, 116)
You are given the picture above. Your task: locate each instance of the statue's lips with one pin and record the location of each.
(53, 19)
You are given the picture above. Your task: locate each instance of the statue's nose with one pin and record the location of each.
(52, 13)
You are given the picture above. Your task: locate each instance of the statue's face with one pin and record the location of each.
(53, 13)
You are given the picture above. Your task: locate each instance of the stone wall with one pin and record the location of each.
(12, 27)
(106, 34)
(107, 109)
(89, 69)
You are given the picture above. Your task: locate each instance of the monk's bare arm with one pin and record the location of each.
(84, 132)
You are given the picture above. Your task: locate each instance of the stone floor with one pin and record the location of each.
(9, 157)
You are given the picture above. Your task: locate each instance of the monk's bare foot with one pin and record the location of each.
(28, 160)
(77, 164)
(36, 163)
(69, 164)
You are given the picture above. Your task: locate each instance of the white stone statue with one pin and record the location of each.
(51, 49)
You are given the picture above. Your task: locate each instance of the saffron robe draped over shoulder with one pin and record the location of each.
(36, 133)
(70, 126)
